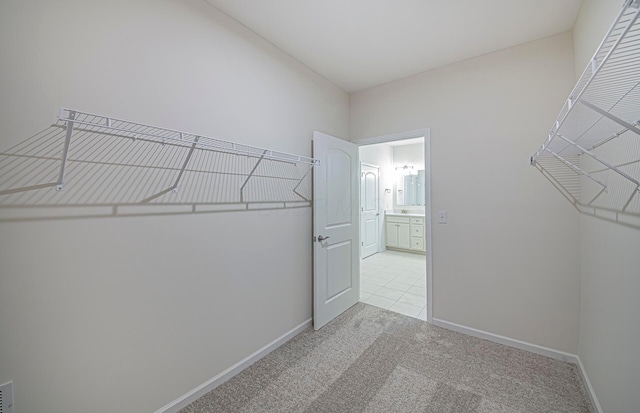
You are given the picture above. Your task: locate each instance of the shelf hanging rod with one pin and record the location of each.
(577, 169)
(605, 163)
(182, 137)
(614, 136)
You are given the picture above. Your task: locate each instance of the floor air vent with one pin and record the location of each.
(6, 398)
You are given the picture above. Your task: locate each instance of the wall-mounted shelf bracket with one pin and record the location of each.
(184, 165)
(250, 175)
(295, 189)
(65, 151)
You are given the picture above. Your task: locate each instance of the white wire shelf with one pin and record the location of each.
(96, 160)
(90, 122)
(594, 138)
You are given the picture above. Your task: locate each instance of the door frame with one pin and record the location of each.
(419, 133)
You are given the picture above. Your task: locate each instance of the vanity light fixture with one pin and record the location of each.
(406, 170)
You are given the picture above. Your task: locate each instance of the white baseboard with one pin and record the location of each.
(523, 345)
(194, 394)
(592, 393)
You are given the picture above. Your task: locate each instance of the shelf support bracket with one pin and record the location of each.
(295, 189)
(250, 175)
(610, 116)
(65, 150)
(577, 169)
(174, 188)
(605, 163)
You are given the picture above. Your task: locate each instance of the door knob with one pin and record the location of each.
(321, 238)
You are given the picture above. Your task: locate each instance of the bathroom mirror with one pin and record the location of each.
(410, 189)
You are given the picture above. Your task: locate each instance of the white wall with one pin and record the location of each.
(409, 155)
(610, 267)
(126, 314)
(594, 20)
(508, 260)
(381, 155)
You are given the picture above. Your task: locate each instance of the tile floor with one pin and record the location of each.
(395, 281)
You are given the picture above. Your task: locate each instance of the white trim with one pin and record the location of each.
(590, 390)
(511, 342)
(523, 345)
(426, 134)
(194, 394)
(427, 216)
(419, 133)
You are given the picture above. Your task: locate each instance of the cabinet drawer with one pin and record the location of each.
(403, 220)
(417, 221)
(417, 231)
(417, 243)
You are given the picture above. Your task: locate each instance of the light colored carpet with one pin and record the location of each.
(374, 360)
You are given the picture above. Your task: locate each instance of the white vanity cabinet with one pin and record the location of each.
(417, 234)
(405, 232)
(398, 232)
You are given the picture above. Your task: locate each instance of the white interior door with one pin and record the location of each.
(369, 210)
(336, 272)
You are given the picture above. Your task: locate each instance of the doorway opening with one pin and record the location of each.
(395, 223)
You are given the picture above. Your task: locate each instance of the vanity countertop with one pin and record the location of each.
(398, 214)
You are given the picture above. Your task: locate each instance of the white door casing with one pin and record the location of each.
(426, 134)
(369, 210)
(336, 272)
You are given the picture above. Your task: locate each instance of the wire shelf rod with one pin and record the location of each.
(614, 136)
(107, 123)
(182, 144)
(605, 163)
(606, 114)
(578, 170)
